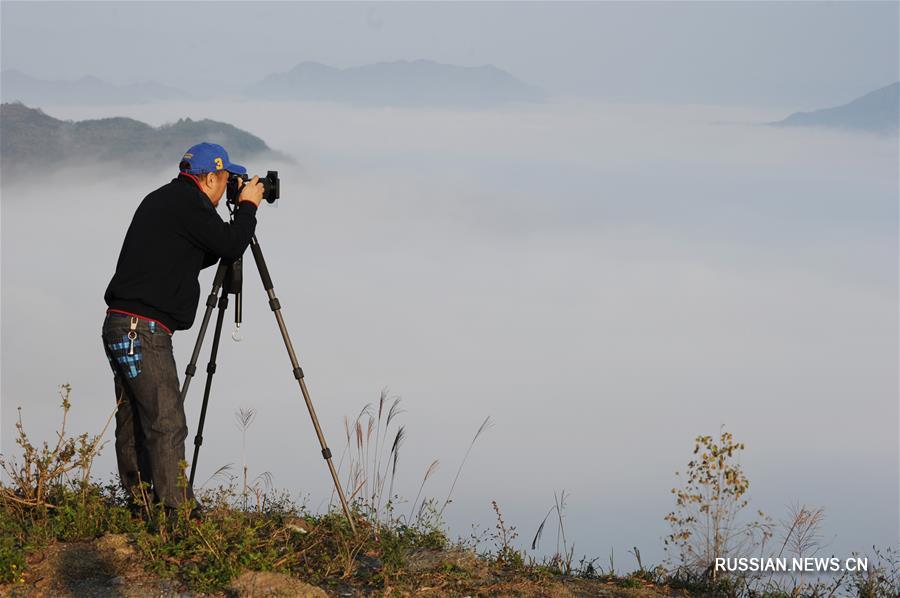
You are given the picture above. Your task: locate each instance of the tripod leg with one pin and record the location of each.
(210, 371)
(210, 304)
(298, 372)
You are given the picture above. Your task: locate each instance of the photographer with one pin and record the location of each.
(174, 234)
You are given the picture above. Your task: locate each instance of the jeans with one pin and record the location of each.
(150, 422)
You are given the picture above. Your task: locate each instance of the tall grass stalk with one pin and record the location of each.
(561, 559)
(484, 426)
(431, 469)
(372, 468)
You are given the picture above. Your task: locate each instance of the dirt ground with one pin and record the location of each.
(110, 567)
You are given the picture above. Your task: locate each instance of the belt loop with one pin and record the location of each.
(132, 335)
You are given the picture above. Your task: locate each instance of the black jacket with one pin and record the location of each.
(175, 233)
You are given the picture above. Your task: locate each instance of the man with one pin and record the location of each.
(174, 234)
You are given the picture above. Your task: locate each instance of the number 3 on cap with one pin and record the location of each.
(219, 165)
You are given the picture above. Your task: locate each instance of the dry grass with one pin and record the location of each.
(370, 459)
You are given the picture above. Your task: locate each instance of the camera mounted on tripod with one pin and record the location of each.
(271, 186)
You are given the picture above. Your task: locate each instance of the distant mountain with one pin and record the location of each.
(17, 86)
(32, 141)
(402, 83)
(877, 111)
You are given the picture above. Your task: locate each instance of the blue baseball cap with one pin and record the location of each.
(208, 157)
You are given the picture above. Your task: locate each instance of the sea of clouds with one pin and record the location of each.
(605, 281)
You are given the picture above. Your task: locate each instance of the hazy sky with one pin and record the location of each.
(793, 55)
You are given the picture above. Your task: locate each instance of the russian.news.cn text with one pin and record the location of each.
(795, 564)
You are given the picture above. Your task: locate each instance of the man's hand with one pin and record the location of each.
(252, 192)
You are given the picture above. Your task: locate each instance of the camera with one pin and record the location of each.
(271, 186)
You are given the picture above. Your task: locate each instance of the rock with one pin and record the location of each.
(83, 560)
(425, 559)
(168, 587)
(298, 525)
(118, 544)
(367, 566)
(253, 584)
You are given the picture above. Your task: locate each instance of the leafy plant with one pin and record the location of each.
(44, 467)
(705, 522)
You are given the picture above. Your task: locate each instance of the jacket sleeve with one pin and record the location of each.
(209, 259)
(203, 227)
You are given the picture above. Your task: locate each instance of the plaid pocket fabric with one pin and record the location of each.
(131, 363)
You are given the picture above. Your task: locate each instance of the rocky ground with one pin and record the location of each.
(110, 567)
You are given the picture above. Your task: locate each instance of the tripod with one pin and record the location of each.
(229, 278)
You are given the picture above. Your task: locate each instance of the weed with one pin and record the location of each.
(503, 536)
(43, 468)
(631, 582)
(560, 560)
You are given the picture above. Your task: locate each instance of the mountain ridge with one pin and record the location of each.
(31, 140)
(407, 83)
(88, 89)
(398, 83)
(877, 111)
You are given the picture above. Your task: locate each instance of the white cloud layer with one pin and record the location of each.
(604, 281)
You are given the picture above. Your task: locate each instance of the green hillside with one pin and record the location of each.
(32, 141)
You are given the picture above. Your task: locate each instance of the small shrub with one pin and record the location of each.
(705, 522)
(44, 468)
(506, 554)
